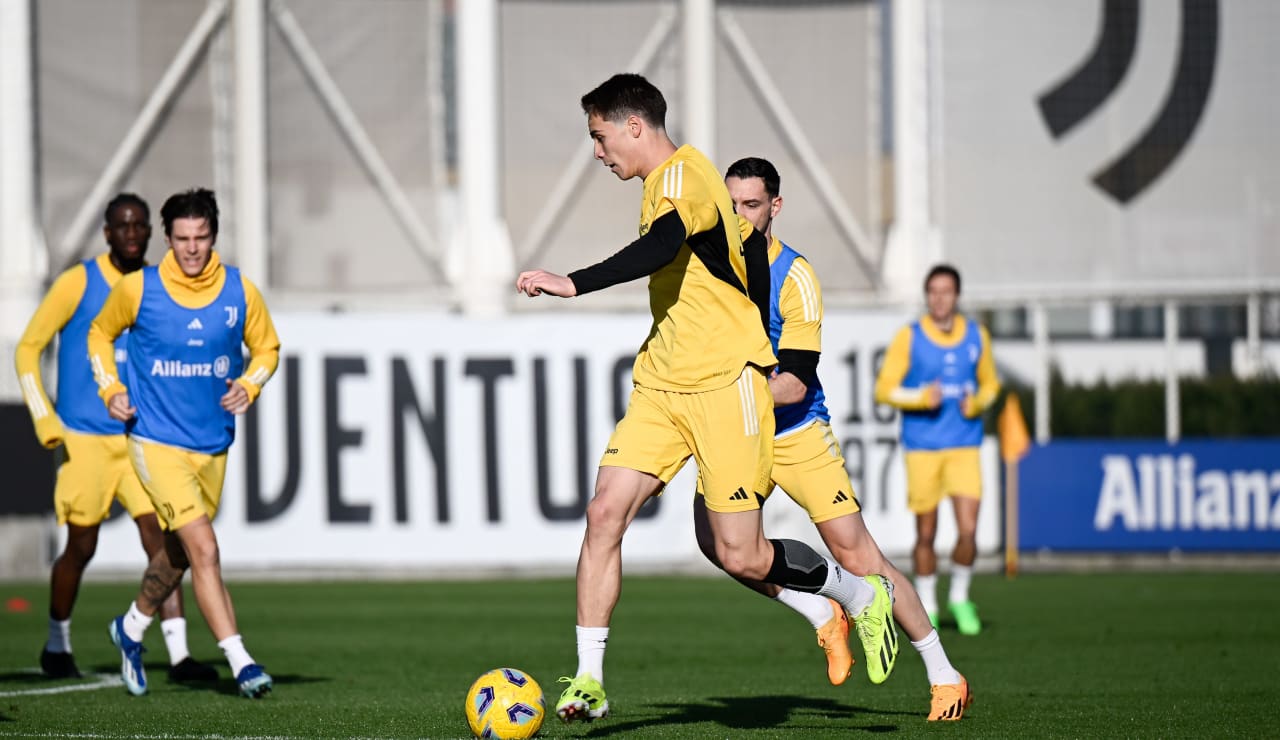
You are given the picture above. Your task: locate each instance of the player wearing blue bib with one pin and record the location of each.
(96, 468)
(809, 467)
(188, 318)
(939, 371)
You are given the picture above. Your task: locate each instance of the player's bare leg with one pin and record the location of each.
(201, 547)
(64, 586)
(923, 558)
(162, 576)
(744, 552)
(854, 548)
(924, 562)
(153, 541)
(182, 667)
(962, 558)
(620, 492)
(829, 621)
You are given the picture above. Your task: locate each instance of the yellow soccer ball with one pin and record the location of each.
(505, 704)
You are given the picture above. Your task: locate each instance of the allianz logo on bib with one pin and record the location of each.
(1167, 492)
(179, 369)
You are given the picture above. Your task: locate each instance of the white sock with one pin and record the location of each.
(136, 623)
(815, 608)
(591, 645)
(59, 636)
(237, 656)
(961, 575)
(936, 664)
(927, 587)
(175, 639)
(850, 590)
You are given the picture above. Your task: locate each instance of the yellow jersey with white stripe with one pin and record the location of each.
(705, 328)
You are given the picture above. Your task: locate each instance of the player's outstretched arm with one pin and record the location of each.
(534, 283)
(644, 256)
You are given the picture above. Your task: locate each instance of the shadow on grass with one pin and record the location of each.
(158, 674)
(749, 713)
(229, 688)
(29, 676)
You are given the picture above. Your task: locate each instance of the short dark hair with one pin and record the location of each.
(193, 203)
(127, 199)
(626, 94)
(943, 269)
(748, 167)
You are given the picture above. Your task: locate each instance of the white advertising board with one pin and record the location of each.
(440, 444)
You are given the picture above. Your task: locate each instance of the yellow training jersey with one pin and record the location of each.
(705, 328)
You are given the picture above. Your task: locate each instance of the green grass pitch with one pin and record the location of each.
(1083, 656)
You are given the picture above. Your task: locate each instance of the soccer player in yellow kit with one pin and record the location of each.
(188, 319)
(939, 371)
(97, 466)
(701, 388)
(809, 466)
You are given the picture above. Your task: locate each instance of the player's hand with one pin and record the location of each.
(119, 408)
(534, 283)
(787, 389)
(966, 406)
(236, 399)
(933, 395)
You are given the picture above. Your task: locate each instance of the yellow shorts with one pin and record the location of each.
(935, 474)
(809, 466)
(97, 470)
(183, 485)
(727, 431)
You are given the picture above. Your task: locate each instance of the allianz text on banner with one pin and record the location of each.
(434, 442)
(1209, 495)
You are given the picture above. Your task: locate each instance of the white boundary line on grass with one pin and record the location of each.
(101, 736)
(105, 680)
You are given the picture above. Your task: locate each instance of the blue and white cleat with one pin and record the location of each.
(254, 682)
(131, 670)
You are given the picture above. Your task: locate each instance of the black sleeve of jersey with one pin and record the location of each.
(755, 250)
(644, 256)
(802, 363)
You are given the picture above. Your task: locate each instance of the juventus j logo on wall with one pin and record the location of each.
(1089, 86)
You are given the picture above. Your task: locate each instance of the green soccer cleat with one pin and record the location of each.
(876, 630)
(933, 618)
(583, 699)
(966, 616)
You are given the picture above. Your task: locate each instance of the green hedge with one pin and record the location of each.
(1211, 407)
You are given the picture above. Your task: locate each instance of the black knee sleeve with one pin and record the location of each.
(797, 566)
